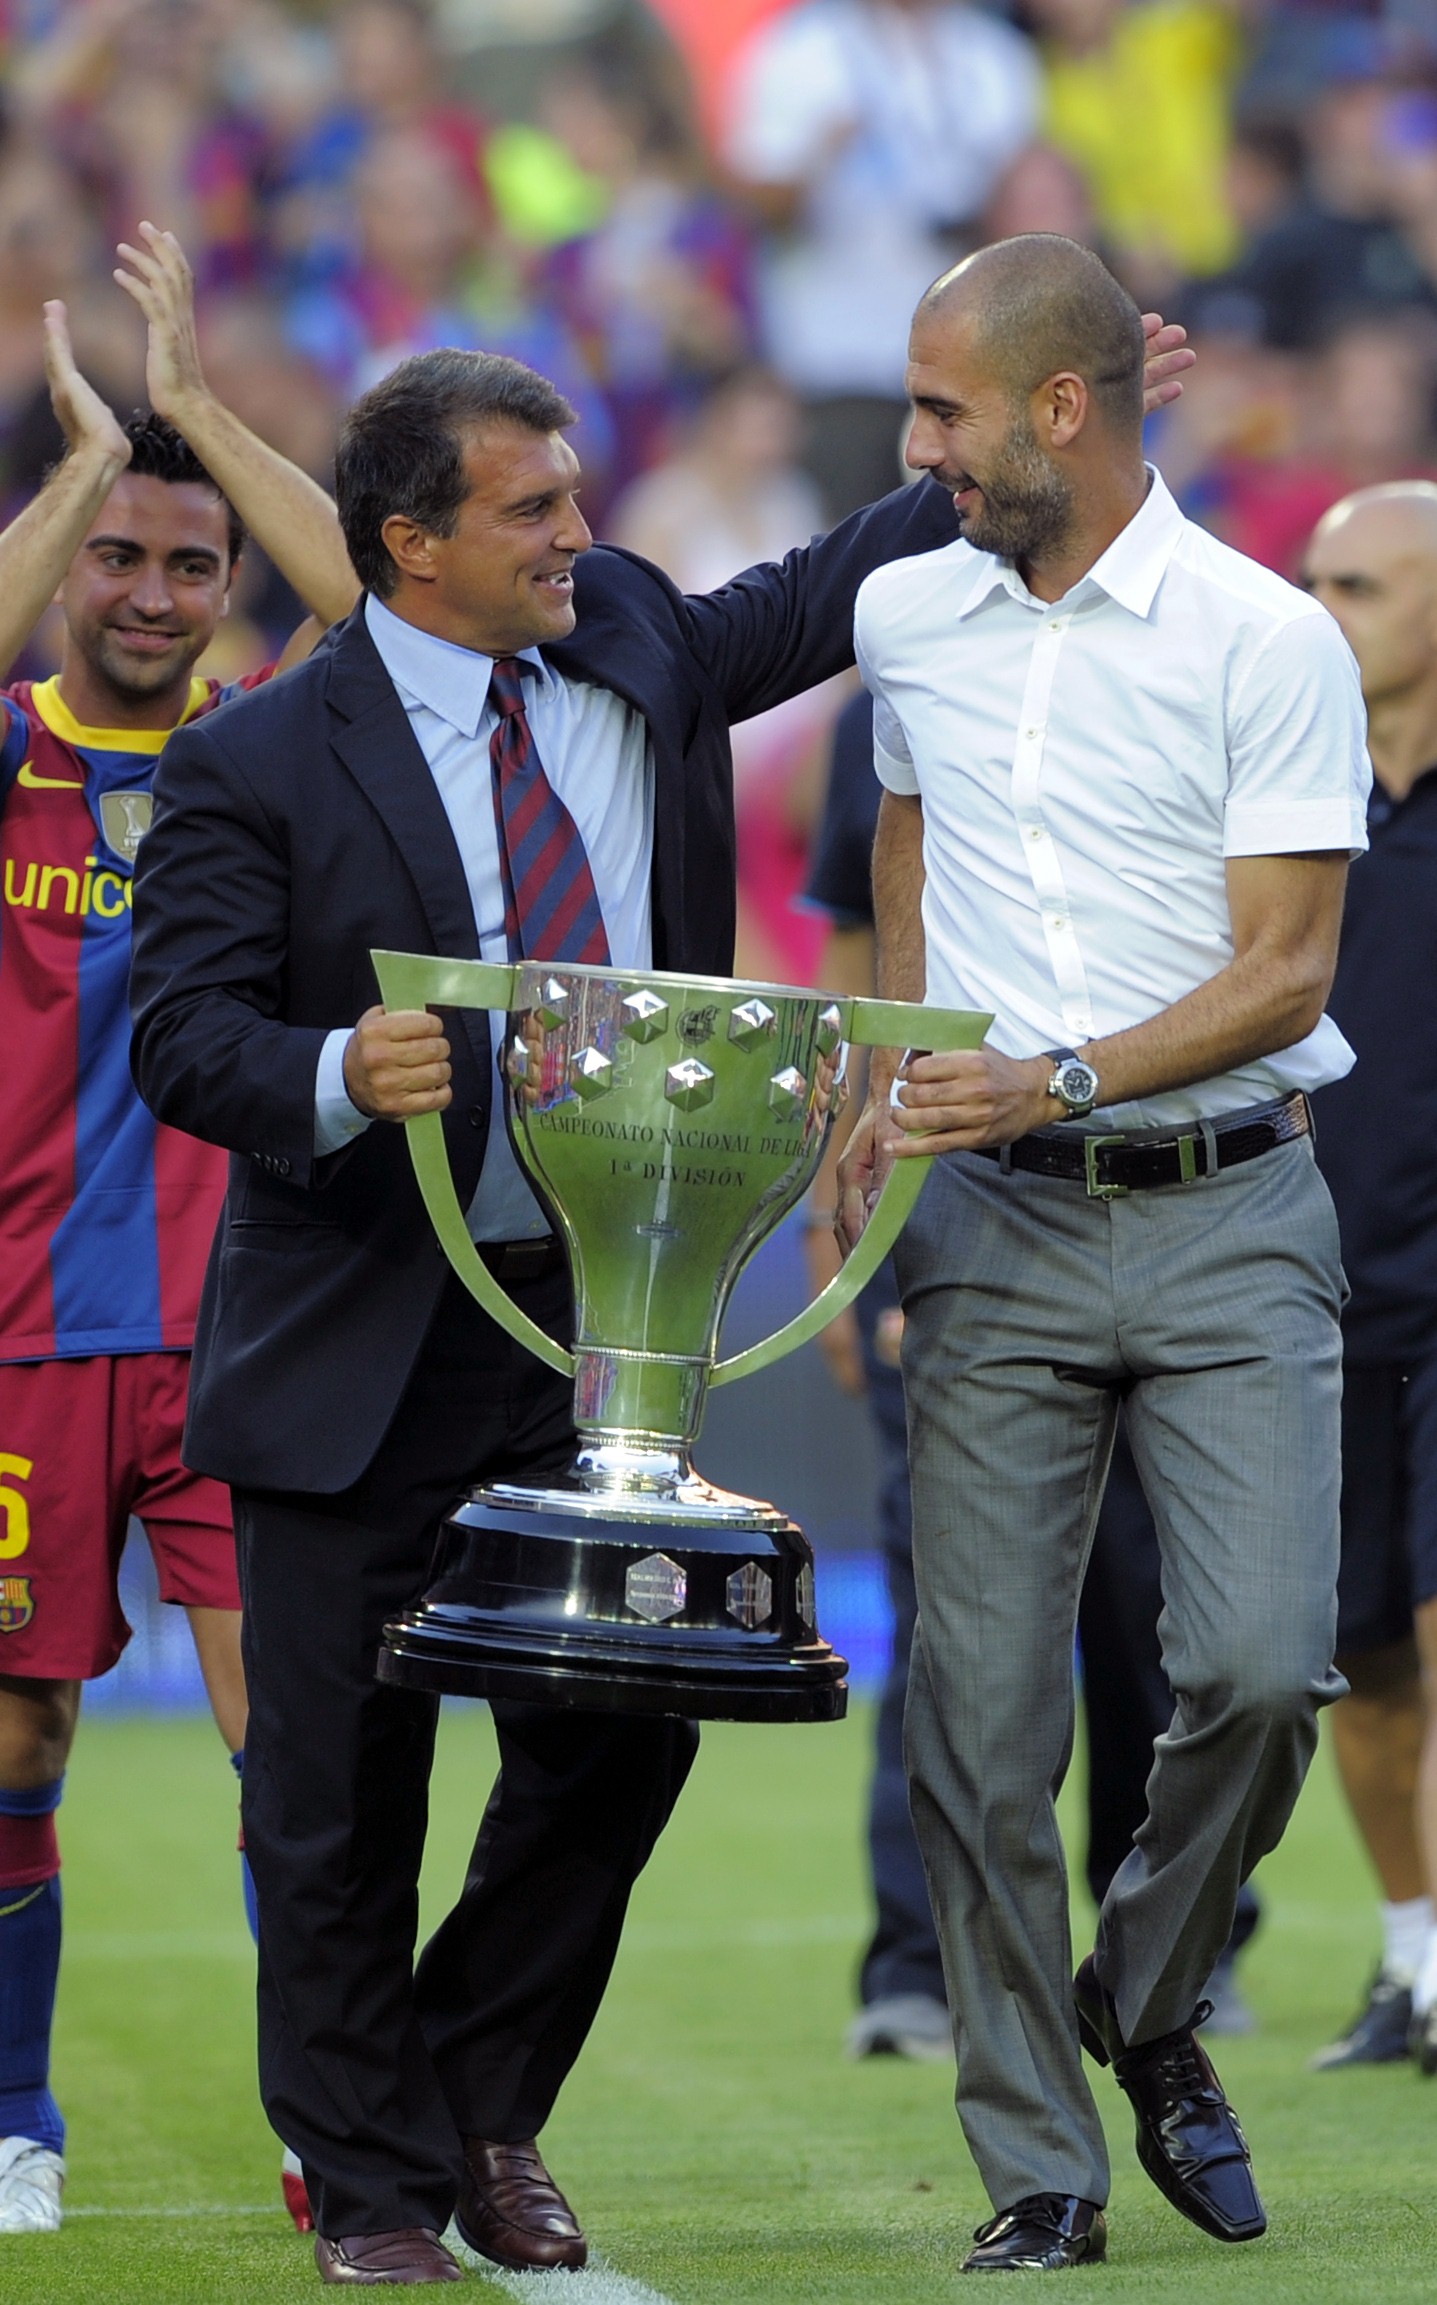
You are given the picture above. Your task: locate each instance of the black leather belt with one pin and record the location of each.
(522, 1260)
(1109, 1166)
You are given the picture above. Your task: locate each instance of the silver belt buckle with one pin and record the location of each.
(1096, 1189)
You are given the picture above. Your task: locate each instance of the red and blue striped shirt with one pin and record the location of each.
(106, 1217)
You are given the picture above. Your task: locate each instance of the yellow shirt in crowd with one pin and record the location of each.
(1146, 120)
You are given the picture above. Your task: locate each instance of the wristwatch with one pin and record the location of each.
(1074, 1083)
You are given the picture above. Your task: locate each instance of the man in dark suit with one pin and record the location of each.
(344, 1384)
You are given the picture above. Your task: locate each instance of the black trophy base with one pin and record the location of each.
(594, 1610)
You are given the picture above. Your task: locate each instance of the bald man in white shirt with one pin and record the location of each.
(1124, 772)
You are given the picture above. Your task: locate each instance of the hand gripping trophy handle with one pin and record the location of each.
(412, 980)
(668, 1123)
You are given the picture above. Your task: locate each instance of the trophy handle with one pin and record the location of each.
(874, 1024)
(418, 980)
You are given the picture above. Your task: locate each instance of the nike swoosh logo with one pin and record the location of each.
(34, 783)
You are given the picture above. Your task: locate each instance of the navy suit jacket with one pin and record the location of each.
(298, 828)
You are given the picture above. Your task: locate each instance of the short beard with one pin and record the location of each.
(138, 681)
(1027, 505)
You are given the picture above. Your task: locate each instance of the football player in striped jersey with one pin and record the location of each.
(105, 1217)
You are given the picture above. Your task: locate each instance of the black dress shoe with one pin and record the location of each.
(1043, 2233)
(1378, 2035)
(1189, 2139)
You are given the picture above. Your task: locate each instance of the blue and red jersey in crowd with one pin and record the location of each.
(106, 1217)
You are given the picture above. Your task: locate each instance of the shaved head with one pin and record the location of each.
(1400, 516)
(1025, 370)
(1040, 306)
(1372, 562)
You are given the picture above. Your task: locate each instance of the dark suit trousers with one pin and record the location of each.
(370, 2069)
(903, 1954)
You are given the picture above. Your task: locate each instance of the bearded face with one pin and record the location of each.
(1012, 501)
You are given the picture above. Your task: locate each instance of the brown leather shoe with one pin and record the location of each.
(414, 2254)
(511, 2211)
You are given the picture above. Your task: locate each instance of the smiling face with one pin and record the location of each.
(142, 597)
(505, 579)
(980, 443)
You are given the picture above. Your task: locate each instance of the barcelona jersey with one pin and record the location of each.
(106, 1217)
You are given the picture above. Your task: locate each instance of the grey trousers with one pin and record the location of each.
(1211, 1310)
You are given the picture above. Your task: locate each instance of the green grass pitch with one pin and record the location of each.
(718, 2146)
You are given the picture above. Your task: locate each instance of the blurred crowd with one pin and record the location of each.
(727, 306)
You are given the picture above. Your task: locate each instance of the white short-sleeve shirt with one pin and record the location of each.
(1086, 767)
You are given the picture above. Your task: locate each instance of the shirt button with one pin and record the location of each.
(1035, 832)
(476, 1116)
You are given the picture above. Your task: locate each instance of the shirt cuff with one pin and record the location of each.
(1278, 828)
(336, 1118)
(895, 775)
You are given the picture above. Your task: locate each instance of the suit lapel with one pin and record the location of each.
(371, 733)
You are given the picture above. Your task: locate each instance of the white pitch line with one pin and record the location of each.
(273, 2209)
(599, 2284)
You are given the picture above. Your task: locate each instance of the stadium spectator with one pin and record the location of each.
(870, 135)
(48, 248)
(1373, 563)
(1139, 97)
(386, 75)
(134, 94)
(105, 1221)
(1041, 191)
(288, 404)
(659, 293)
(426, 271)
(1270, 442)
(1342, 243)
(733, 494)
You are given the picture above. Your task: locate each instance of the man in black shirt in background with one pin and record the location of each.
(1373, 563)
(903, 2006)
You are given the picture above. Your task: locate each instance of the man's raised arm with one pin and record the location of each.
(288, 514)
(40, 542)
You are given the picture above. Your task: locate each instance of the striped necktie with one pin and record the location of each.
(551, 907)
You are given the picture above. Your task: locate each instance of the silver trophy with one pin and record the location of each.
(668, 1123)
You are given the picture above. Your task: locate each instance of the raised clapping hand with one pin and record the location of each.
(161, 283)
(396, 1064)
(89, 426)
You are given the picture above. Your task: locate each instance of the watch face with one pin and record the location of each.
(1076, 1083)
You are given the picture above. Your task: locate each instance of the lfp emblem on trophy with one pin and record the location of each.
(668, 1123)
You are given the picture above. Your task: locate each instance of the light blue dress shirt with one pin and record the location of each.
(597, 756)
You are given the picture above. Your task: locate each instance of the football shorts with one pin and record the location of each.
(84, 1444)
